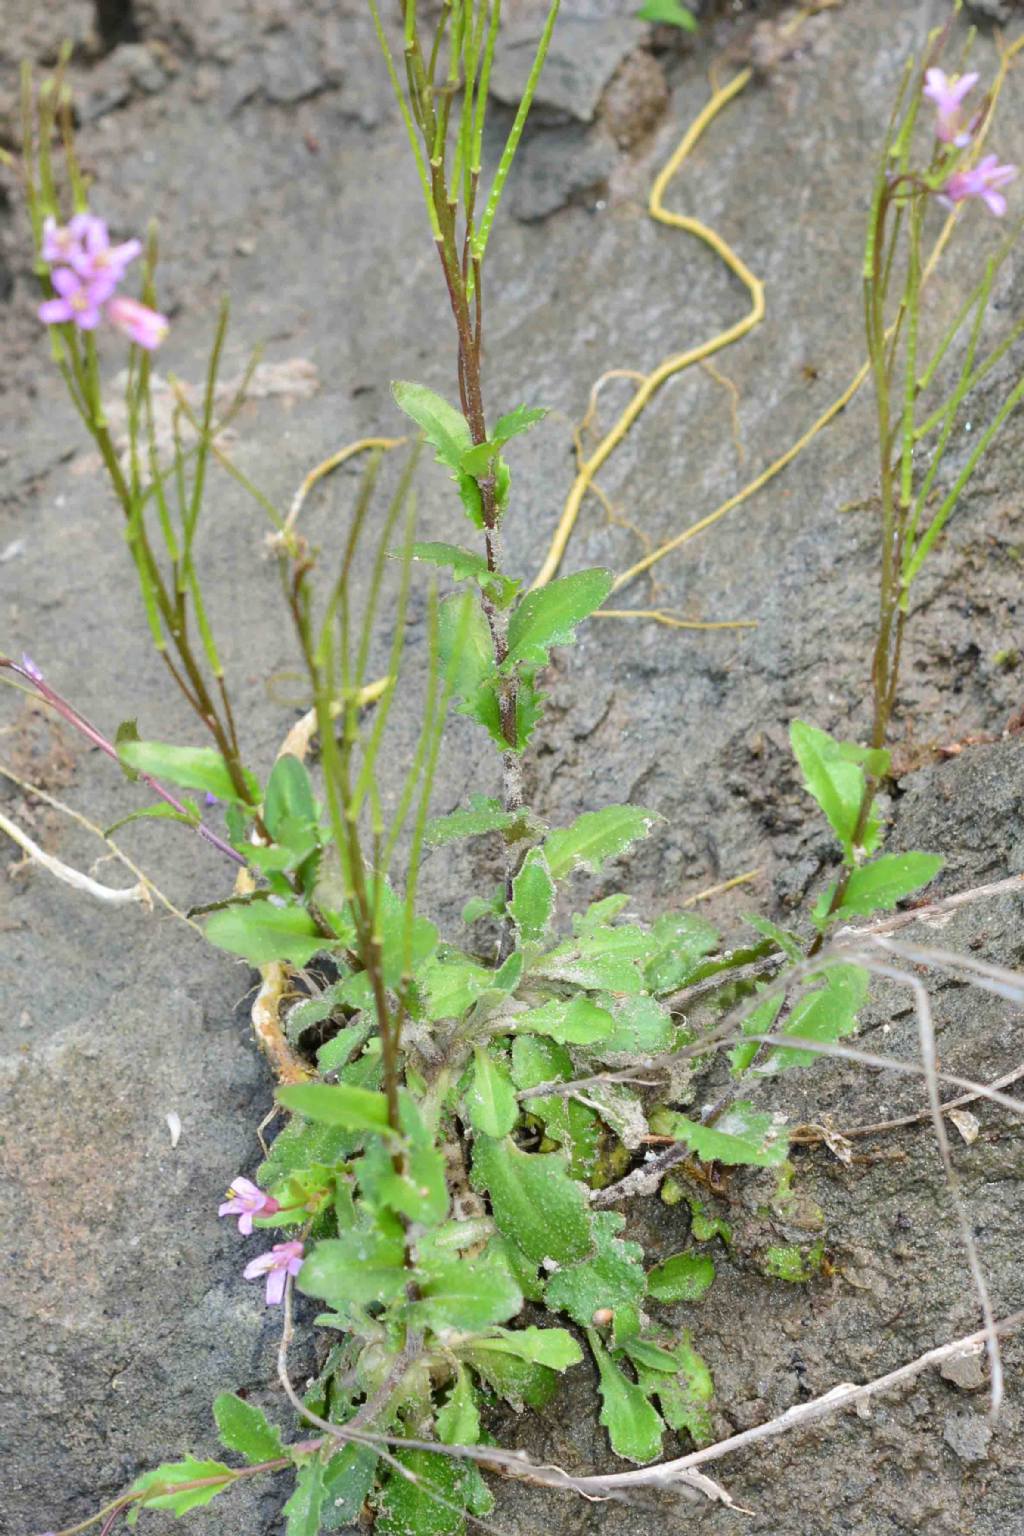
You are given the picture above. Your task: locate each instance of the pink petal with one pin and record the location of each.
(275, 1287)
(259, 1266)
(65, 281)
(960, 88)
(54, 311)
(995, 202)
(246, 1188)
(245, 1223)
(229, 1208)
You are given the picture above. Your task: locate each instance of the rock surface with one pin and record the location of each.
(267, 142)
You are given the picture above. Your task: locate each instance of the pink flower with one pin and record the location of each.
(246, 1201)
(948, 96)
(62, 243)
(143, 325)
(77, 301)
(96, 257)
(284, 1259)
(982, 180)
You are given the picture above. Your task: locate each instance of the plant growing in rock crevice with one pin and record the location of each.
(449, 1158)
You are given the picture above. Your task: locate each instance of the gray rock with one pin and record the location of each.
(966, 1371)
(968, 1435)
(583, 56)
(560, 166)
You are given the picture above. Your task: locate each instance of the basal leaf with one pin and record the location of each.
(243, 1427)
(451, 983)
(570, 1021)
(361, 1267)
(538, 1060)
(683, 1277)
(594, 837)
(533, 898)
(549, 616)
(261, 933)
(164, 1478)
(741, 1136)
(458, 1420)
(444, 427)
(613, 1280)
(522, 1383)
(354, 1109)
(191, 767)
(535, 1202)
(491, 1097)
(407, 1508)
(634, 1428)
(348, 1478)
(467, 1294)
(306, 1504)
(553, 1347)
(682, 940)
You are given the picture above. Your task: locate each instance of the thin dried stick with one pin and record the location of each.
(74, 877)
(38, 793)
(797, 1417)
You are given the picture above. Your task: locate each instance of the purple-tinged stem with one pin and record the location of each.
(67, 712)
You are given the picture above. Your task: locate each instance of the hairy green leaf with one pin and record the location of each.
(467, 566)
(362, 1266)
(534, 1200)
(836, 782)
(354, 1109)
(467, 1294)
(458, 1420)
(877, 887)
(348, 1478)
(191, 767)
(491, 1097)
(467, 655)
(513, 422)
(634, 1427)
(431, 1505)
(594, 837)
(682, 940)
(612, 1279)
(553, 1347)
(243, 1427)
(571, 1021)
(444, 427)
(683, 1277)
(522, 1383)
(742, 1135)
(262, 933)
(533, 898)
(824, 1015)
(549, 616)
(483, 815)
(164, 1478)
(306, 1504)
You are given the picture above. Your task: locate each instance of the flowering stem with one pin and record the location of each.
(68, 712)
